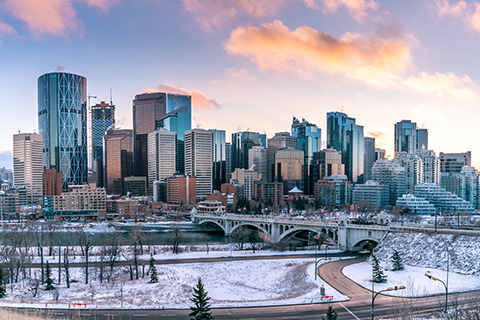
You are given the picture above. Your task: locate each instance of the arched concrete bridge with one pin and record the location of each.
(348, 237)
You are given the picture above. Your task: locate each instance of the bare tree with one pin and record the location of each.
(85, 245)
(66, 265)
(176, 237)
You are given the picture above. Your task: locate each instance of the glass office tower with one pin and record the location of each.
(103, 119)
(62, 121)
(219, 168)
(241, 143)
(346, 136)
(309, 138)
(406, 137)
(179, 120)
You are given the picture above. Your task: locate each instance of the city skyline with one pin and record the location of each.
(254, 64)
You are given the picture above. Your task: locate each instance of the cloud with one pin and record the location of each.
(6, 29)
(468, 12)
(213, 13)
(53, 17)
(357, 8)
(275, 46)
(376, 61)
(199, 99)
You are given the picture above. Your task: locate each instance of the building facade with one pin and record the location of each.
(392, 175)
(82, 202)
(161, 156)
(413, 165)
(406, 137)
(443, 200)
(334, 191)
(103, 119)
(344, 135)
(422, 139)
(371, 194)
(199, 159)
(416, 205)
(454, 162)
(219, 168)
(370, 157)
(241, 143)
(181, 190)
(62, 122)
(117, 159)
(257, 159)
(431, 166)
(28, 165)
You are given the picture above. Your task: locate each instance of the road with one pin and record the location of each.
(358, 307)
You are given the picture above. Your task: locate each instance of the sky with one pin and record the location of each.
(254, 64)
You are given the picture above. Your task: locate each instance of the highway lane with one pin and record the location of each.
(358, 307)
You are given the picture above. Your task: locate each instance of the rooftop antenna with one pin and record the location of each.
(111, 103)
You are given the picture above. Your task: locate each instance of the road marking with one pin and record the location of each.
(349, 311)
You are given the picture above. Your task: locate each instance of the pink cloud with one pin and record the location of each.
(376, 61)
(213, 13)
(53, 17)
(468, 12)
(200, 101)
(275, 46)
(6, 29)
(357, 8)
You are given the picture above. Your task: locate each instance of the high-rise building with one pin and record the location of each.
(379, 154)
(454, 162)
(179, 120)
(246, 178)
(219, 169)
(228, 161)
(346, 136)
(370, 156)
(413, 165)
(309, 138)
(280, 140)
(117, 159)
(288, 167)
(405, 136)
(391, 174)
(103, 119)
(198, 159)
(257, 158)
(422, 139)
(161, 156)
(148, 110)
(450, 181)
(241, 143)
(372, 194)
(469, 186)
(431, 166)
(28, 165)
(181, 190)
(62, 121)
(330, 162)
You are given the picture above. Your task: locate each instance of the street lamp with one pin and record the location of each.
(376, 294)
(445, 285)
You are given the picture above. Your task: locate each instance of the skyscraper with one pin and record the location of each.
(431, 166)
(62, 121)
(280, 140)
(103, 119)
(257, 157)
(422, 139)
(117, 159)
(413, 166)
(28, 164)
(346, 136)
(179, 120)
(161, 156)
(391, 174)
(309, 138)
(148, 110)
(198, 159)
(241, 143)
(369, 157)
(219, 169)
(288, 167)
(406, 136)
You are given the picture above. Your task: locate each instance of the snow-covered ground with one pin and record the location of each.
(414, 279)
(229, 284)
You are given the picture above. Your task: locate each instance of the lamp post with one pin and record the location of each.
(445, 284)
(374, 296)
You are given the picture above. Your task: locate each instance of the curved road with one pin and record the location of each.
(358, 307)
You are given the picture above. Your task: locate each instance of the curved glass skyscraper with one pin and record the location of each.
(62, 120)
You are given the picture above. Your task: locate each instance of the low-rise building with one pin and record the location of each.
(86, 202)
(334, 191)
(372, 193)
(416, 205)
(443, 200)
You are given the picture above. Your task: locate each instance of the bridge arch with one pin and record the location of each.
(324, 232)
(214, 222)
(359, 241)
(256, 226)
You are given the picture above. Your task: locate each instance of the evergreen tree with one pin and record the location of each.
(48, 278)
(331, 314)
(201, 310)
(153, 271)
(378, 275)
(397, 261)
(3, 291)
